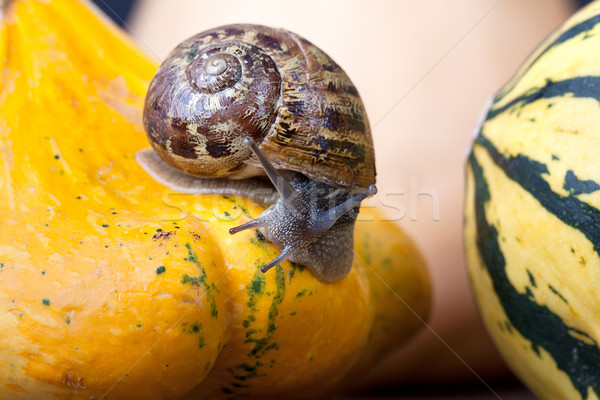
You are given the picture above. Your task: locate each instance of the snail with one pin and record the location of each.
(235, 103)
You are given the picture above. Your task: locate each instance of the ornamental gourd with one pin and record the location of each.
(114, 287)
(532, 227)
(238, 88)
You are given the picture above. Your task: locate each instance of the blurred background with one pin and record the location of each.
(424, 70)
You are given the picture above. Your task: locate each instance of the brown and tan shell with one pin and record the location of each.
(297, 104)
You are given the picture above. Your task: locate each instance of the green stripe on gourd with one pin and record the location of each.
(534, 322)
(532, 225)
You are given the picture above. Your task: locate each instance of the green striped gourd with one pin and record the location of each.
(532, 223)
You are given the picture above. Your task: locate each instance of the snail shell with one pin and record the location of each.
(298, 105)
(241, 101)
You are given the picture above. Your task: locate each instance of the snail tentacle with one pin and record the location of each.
(286, 191)
(283, 256)
(255, 223)
(325, 219)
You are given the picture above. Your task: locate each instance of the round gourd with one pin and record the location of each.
(114, 287)
(532, 227)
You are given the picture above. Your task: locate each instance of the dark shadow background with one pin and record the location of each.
(118, 10)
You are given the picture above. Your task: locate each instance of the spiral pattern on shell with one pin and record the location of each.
(205, 99)
(234, 81)
(215, 73)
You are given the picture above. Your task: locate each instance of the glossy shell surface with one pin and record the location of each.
(224, 84)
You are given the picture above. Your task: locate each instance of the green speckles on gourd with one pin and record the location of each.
(201, 280)
(258, 240)
(247, 368)
(256, 288)
(387, 263)
(192, 256)
(46, 302)
(245, 371)
(245, 211)
(261, 344)
(160, 270)
(195, 328)
(293, 268)
(304, 292)
(277, 299)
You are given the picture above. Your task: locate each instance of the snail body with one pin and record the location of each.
(232, 104)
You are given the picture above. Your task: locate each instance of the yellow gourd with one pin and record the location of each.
(112, 286)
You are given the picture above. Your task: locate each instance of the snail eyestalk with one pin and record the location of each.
(286, 191)
(255, 223)
(283, 256)
(327, 218)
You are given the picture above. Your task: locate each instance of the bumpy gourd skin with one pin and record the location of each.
(532, 226)
(112, 286)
